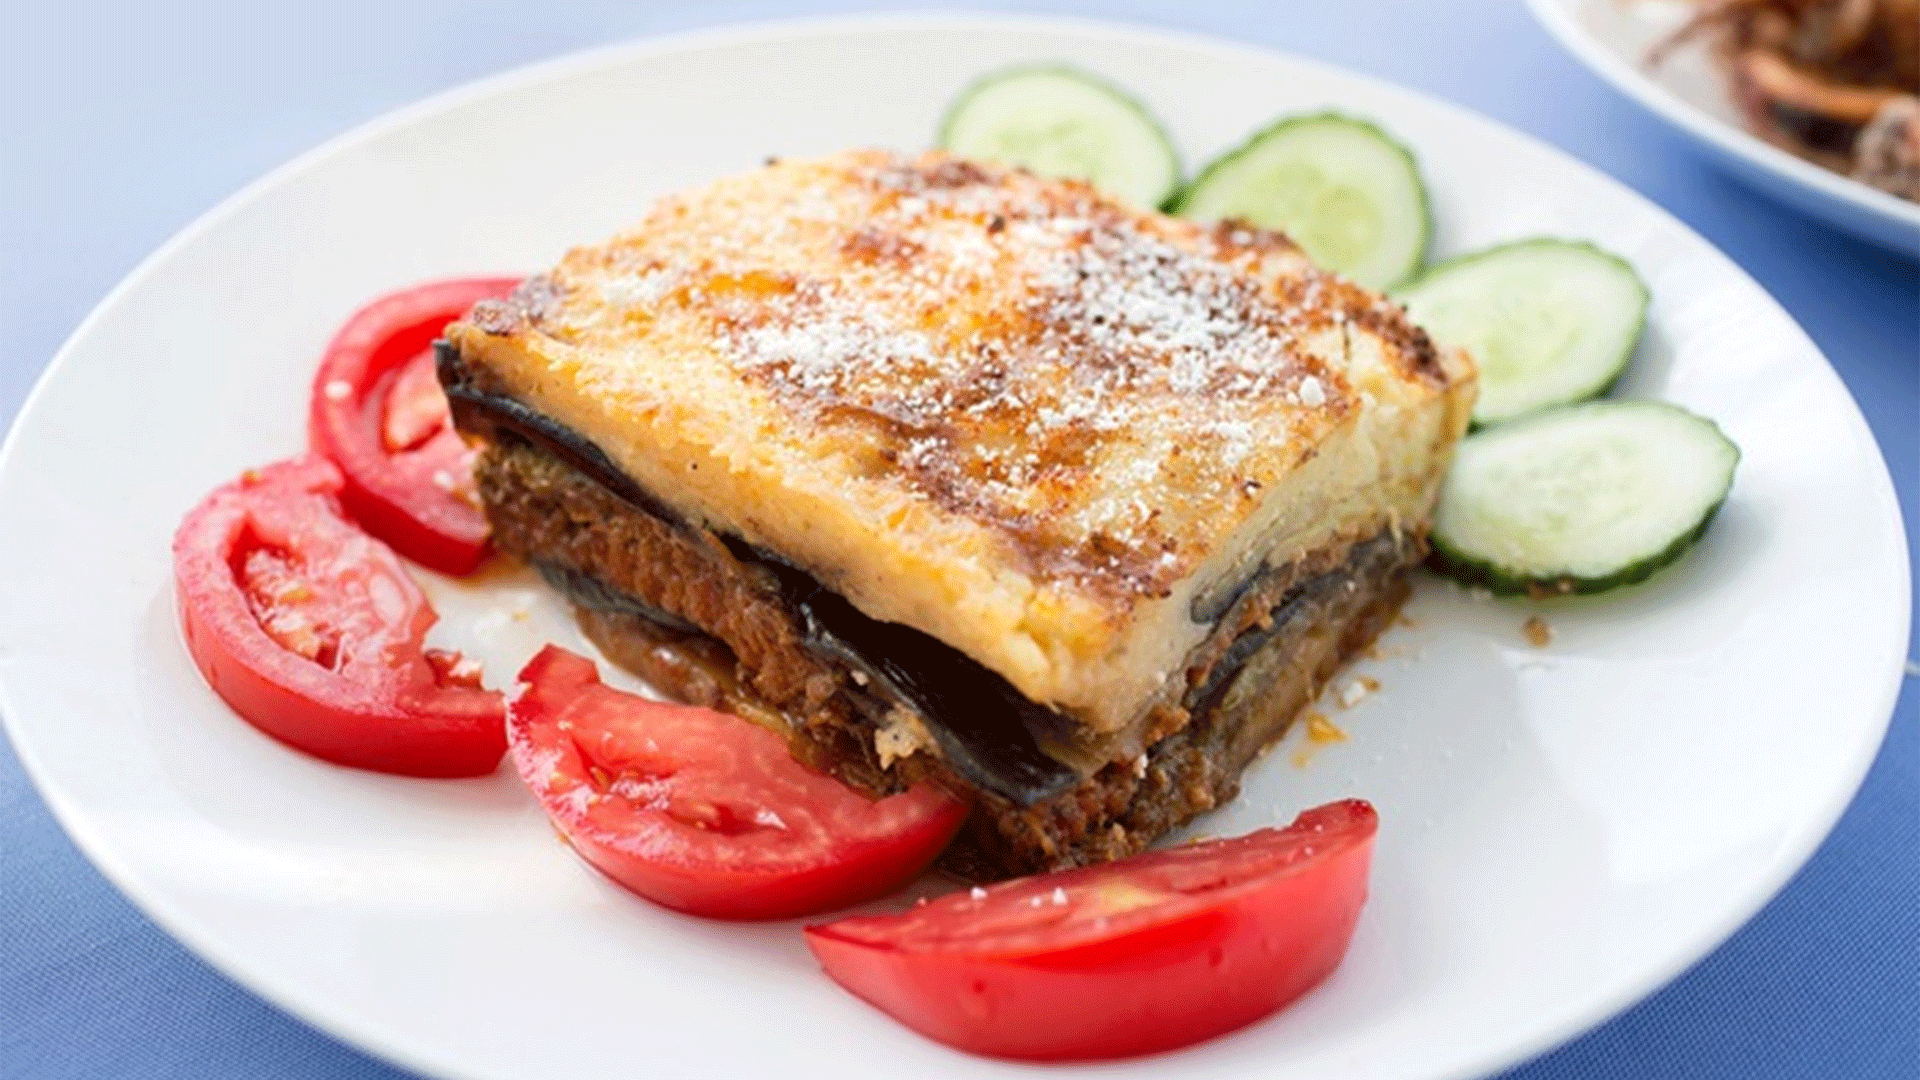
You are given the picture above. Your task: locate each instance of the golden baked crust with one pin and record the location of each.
(1034, 423)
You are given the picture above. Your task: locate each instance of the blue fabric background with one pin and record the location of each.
(121, 123)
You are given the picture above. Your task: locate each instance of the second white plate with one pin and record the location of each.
(1613, 37)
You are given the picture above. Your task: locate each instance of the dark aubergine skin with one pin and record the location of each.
(1203, 699)
(476, 407)
(984, 726)
(1208, 608)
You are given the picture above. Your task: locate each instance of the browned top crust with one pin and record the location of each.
(1008, 411)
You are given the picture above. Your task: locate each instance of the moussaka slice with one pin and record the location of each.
(948, 471)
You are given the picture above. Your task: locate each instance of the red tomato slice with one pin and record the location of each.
(314, 631)
(378, 413)
(704, 812)
(1132, 957)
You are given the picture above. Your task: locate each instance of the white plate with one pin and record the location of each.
(1564, 828)
(1612, 38)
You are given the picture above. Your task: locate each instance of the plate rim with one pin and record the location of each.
(1557, 17)
(1556, 1029)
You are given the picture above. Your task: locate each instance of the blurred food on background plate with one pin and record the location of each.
(1834, 81)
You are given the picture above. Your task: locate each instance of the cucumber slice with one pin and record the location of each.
(1345, 191)
(1549, 322)
(1580, 499)
(1058, 121)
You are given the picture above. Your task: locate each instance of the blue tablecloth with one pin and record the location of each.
(120, 126)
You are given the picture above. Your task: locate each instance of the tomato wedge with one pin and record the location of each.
(315, 633)
(378, 413)
(704, 812)
(1131, 957)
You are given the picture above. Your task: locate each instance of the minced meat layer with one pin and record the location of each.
(714, 622)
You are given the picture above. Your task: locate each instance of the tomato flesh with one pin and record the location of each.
(377, 411)
(314, 632)
(704, 812)
(1132, 957)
